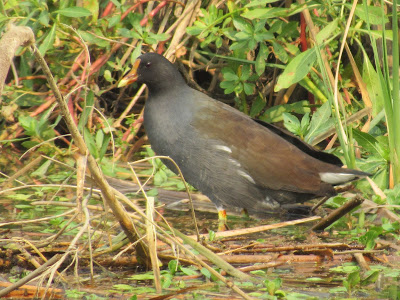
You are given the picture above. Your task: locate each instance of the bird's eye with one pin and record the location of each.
(148, 64)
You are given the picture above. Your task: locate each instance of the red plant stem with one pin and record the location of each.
(133, 7)
(75, 66)
(153, 12)
(304, 47)
(303, 38)
(47, 103)
(108, 9)
(62, 137)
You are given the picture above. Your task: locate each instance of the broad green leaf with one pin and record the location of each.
(305, 122)
(274, 114)
(48, 41)
(381, 178)
(99, 138)
(248, 88)
(147, 276)
(173, 266)
(261, 58)
(245, 72)
(92, 39)
(354, 278)
(206, 273)
(260, 2)
(42, 170)
(166, 281)
(297, 69)
(373, 84)
(229, 74)
(87, 110)
(320, 122)
(371, 278)
(257, 106)
(74, 12)
(90, 142)
(197, 29)
(93, 7)
(261, 13)
(375, 14)
(291, 123)
(44, 18)
(327, 31)
(370, 144)
(136, 53)
(242, 25)
(280, 52)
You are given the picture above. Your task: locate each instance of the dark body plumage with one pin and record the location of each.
(226, 155)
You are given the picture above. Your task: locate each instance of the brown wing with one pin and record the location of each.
(269, 159)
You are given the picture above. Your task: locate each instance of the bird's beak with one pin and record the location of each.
(131, 76)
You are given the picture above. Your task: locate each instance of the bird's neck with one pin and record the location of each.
(164, 87)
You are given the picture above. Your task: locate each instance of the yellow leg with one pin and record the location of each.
(222, 225)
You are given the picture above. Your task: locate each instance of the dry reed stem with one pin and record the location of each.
(107, 192)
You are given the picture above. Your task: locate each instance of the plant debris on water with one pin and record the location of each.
(79, 222)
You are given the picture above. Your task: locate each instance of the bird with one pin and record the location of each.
(234, 160)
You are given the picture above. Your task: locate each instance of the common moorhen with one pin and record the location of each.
(225, 154)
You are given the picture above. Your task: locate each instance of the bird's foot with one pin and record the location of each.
(245, 214)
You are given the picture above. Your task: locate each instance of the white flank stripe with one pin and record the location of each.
(336, 178)
(247, 176)
(223, 148)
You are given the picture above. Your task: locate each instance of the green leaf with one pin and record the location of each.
(259, 3)
(28, 123)
(370, 144)
(248, 88)
(229, 74)
(206, 273)
(188, 271)
(87, 110)
(291, 123)
(305, 122)
(371, 277)
(242, 25)
(368, 239)
(90, 142)
(275, 113)
(258, 13)
(354, 278)
(373, 84)
(173, 266)
(74, 12)
(261, 58)
(44, 18)
(99, 138)
(166, 281)
(280, 52)
(48, 41)
(42, 170)
(297, 69)
(375, 14)
(197, 29)
(211, 235)
(320, 122)
(245, 72)
(327, 31)
(146, 276)
(92, 39)
(257, 106)
(104, 146)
